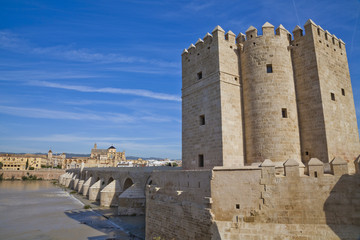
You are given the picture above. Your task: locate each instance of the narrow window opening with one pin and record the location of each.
(201, 160)
(250, 36)
(269, 68)
(327, 45)
(199, 184)
(235, 78)
(315, 174)
(332, 96)
(306, 153)
(326, 36)
(339, 44)
(318, 30)
(284, 112)
(254, 44)
(230, 46)
(333, 40)
(343, 92)
(199, 75)
(237, 206)
(202, 119)
(320, 41)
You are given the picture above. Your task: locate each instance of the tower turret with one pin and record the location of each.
(327, 117)
(211, 127)
(270, 112)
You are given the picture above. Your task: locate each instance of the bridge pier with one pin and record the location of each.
(86, 186)
(68, 180)
(61, 178)
(80, 186)
(109, 195)
(94, 190)
(132, 201)
(76, 182)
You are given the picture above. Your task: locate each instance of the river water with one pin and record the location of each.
(40, 210)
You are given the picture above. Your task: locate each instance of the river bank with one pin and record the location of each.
(45, 174)
(134, 226)
(42, 210)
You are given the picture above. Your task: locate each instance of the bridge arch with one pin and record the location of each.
(127, 183)
(110, 180)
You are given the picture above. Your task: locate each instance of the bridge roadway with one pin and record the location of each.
(122, 187)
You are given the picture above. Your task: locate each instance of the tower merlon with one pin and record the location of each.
(309, 21)
(230, 36)
(268, 29)
(251, 32)
(281, 31)
(191, 48)
(207, 38)
(184, 52)
(240, 38)
(199, 42)
(218, 32)
(297, 32)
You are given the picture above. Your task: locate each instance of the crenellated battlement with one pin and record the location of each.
(318, 34)
(267, 30)
(218, 34)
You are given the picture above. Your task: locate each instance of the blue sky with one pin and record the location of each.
(73, 73)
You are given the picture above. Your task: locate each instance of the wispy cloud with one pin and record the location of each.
(52, 114)
(76, 138)
(87, 116)
(22, 75)
(135, 92)
(133, 104)
(12, 42)
(198, 5)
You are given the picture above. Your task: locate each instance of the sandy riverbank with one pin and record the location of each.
(41, 210)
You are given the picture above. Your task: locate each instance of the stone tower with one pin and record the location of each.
(267, 96)
(50, 154)
(270, 113)
(327, 116)
(211, 103)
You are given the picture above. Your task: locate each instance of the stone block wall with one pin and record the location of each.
(44, 174)
(254, 203)
(177, 205)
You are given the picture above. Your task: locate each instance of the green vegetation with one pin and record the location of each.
(87, 207)
(27, 164)
(1, 165)
(73, 192)
(30, 177)
(1, 177)
(31, 168)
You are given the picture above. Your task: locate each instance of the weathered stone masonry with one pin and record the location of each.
(248, 99)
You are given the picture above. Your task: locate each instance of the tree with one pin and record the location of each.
(27, 164)
(1, 165)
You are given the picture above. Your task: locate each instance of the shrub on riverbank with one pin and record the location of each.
(30, 177)
(87, 207)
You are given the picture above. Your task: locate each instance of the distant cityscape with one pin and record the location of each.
(97, 158)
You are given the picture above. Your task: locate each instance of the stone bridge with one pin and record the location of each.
(113, 187)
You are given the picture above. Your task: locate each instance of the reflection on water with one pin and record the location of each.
(40, 210)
